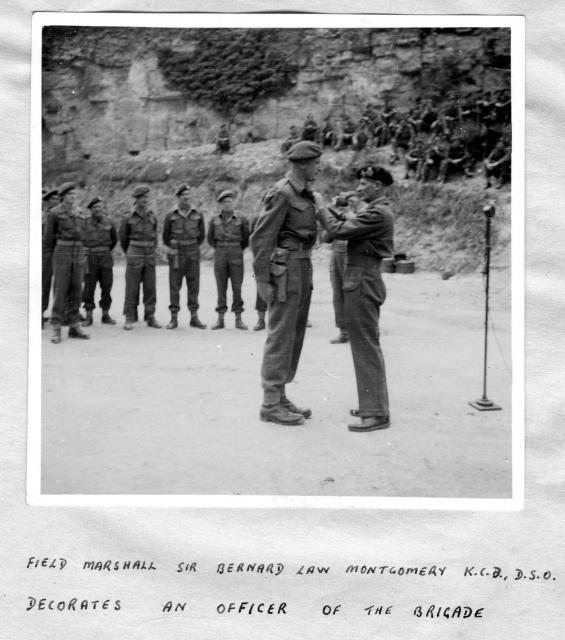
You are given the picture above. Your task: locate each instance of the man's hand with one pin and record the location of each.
(266, 292)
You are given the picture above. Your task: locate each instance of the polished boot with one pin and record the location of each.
(260, 326)
(372, 423)
(87, 322)
(239, 324)
(219, 323)
(290, 406)
(128, 326)
(280, 415)
(173, 324)
(75, 331)
(56, 334)
(106, 318)
(151, 322)
(195, 321)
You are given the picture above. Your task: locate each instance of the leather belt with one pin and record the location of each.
(186, 243)
(299, 254)
(225, 243)
(362, 260)
(142, 243)
(70, 243)
(97, 249)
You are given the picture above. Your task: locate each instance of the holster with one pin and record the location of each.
(279, 272)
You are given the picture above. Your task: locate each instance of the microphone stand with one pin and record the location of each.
(483, 403)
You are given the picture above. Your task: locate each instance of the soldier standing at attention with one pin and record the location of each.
(228, 233)
(64, 237)
(260, 304)
(370, 238)
(138, 239)
(50, 200)
(183, 233)
(281, 245)
(101, 238)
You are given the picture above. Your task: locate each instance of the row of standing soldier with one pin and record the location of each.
(77, 255)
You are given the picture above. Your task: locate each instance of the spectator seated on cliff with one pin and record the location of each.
(361, 135)
(345, 138)
(414, 159)
(388, 114)
(293, 137)
(416, 120)
(310, 129)
(456, 160)
(434, 154)
(328, 133)
(429, 116)
(468, 109)
(503, 108)
(497, 165)
(381, 134)
(223, 143)
(254, 136)
(403, 138)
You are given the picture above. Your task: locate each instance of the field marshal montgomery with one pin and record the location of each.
(281, 243)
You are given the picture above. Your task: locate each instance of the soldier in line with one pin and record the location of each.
(183, 233)
(138, 239)
(281, 244)
(370, 238)
(50, 200)
(344, 206)
(260, 304)
(228, 233)
(64, 237)
(101, 238)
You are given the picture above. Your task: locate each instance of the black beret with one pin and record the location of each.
(226, 194)
(49, 194)
(140, 190)
(65, 188)
(93, 202)
(304, 150)
(375, 173)
(182, 189)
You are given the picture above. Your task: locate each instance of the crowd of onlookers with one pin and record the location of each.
(432, 141)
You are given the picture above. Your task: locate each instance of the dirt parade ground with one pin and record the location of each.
(177, 412)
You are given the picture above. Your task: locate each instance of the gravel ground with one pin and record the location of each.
(177, 412)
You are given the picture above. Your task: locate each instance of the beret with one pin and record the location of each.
(375, 173)
(65, 188)
(140, 190)
(182, 189)
(50, 193)
(304, 150)
(225, 194)
(93, 202)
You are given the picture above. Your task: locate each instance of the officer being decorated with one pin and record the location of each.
(370, 239)
(228, 233)
(101, 238)
(138, 239)
(64, 238)
(281, 245)
(183, 233)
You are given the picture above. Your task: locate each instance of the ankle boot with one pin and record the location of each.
(239, 324)
(151, 322)
(56, 334)
(106, 319)
(195, 321)
(260, 326)
(88, 320)
(219, 323)
(173, 324)
(75, 331)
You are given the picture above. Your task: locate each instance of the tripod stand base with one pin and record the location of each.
(484, 404)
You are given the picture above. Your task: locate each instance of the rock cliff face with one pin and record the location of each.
(104, 94)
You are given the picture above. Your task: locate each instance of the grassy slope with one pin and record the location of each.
(441, 227)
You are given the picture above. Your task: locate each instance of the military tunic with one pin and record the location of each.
(229, 235)
(46, 264)
(138, 239)
(370, 238)
(281, 244)
(64, 237)
(260, 304)
(101, 238)
(183, 233)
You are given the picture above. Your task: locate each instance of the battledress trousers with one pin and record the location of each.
(101, 238)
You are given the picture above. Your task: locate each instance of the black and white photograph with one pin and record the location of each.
(279, 260)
